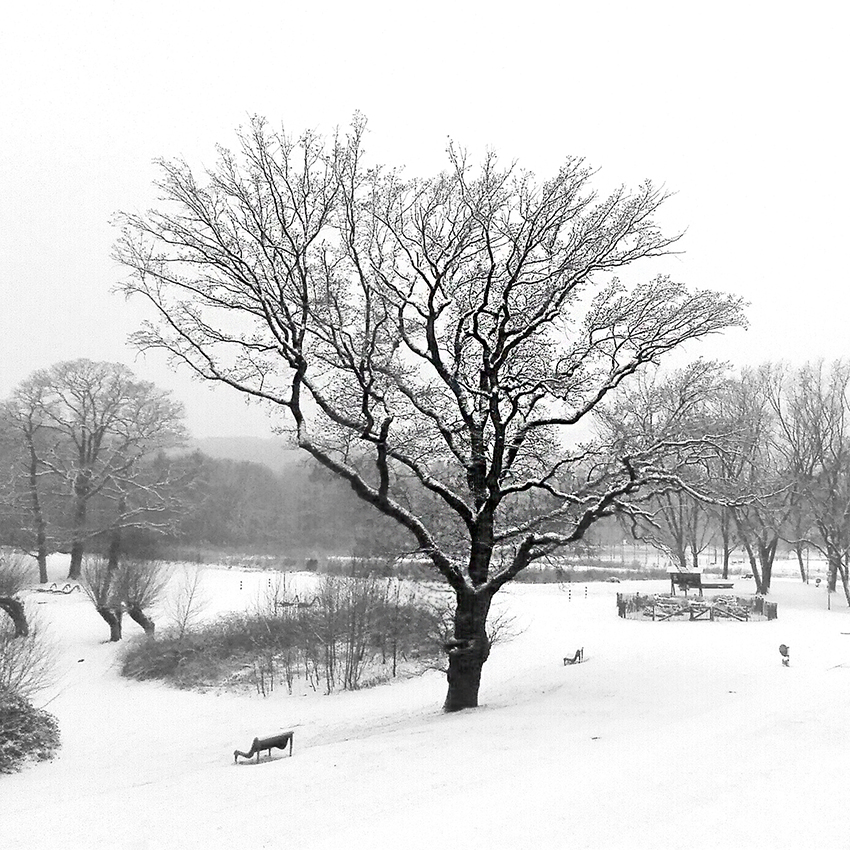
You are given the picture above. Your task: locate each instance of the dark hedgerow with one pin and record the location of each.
(26, 732)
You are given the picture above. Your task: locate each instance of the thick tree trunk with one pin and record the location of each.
(77, 549)
(468, 650)
(114, 550)
(115, 539)
(81, 493)
(37, 515)
(766, 554)
(113, 620)
(833, 559)
(143, 620)
(725, 562)
(832, 574)
(15, 609)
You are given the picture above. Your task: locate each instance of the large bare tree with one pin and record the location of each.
(444, 333)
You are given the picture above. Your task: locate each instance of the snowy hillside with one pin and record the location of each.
(669, 735)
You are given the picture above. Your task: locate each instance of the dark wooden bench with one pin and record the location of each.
(259, 745)
(694, 581)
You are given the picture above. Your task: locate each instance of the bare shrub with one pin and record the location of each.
(26, 663)
(188, 601)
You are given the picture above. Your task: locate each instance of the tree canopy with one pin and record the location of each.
(444, 332)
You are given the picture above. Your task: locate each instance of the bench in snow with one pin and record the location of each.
(258, 745)
(695, 581)
(575, 659)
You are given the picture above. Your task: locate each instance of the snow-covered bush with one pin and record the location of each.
(25, 732)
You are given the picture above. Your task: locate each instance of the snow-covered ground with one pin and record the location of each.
(670, 735)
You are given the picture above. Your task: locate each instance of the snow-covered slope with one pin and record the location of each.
(669, 735)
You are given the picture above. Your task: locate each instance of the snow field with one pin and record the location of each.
(669, 735)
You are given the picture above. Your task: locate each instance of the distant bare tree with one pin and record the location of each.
(759, 481)
(21, 421)
(679, 409)
(438, 337)
(187, 601)
(101, 421)
(812, 408)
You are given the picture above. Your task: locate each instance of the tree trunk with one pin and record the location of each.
(468, 650)
(798, 548)
(37, 514)
(113, 620)
(832, 574)
(81, 493)
(114, 550)
(833, 559)
(143, 620)
(15, 609)
(845, 580)
(754, 568)
(766, 554)
(76, 569)
(725, 562)
(115, 538)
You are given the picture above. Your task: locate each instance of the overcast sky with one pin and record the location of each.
(740, 108)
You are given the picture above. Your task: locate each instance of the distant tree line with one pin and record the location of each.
(92, 460)
(764, 461)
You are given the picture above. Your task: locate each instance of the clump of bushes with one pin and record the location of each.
(26, 733)
(352, 632)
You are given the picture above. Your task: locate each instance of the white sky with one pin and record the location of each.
(738, 107)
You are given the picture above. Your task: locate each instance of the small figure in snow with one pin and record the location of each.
(784, 652)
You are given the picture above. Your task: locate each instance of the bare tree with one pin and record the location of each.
(187, 601)
(444, 334)
(21, 421)
(101, 421)
(679, 409)
(812, 408)
(15, 575)
(140, 584)
(101, 586)
(759, 482)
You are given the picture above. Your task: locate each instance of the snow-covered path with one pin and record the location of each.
(670, 735)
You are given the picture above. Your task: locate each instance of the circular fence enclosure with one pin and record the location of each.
(658, 607)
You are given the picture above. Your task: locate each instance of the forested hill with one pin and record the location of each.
(273, 452)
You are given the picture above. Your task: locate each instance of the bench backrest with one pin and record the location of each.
(687, 579)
